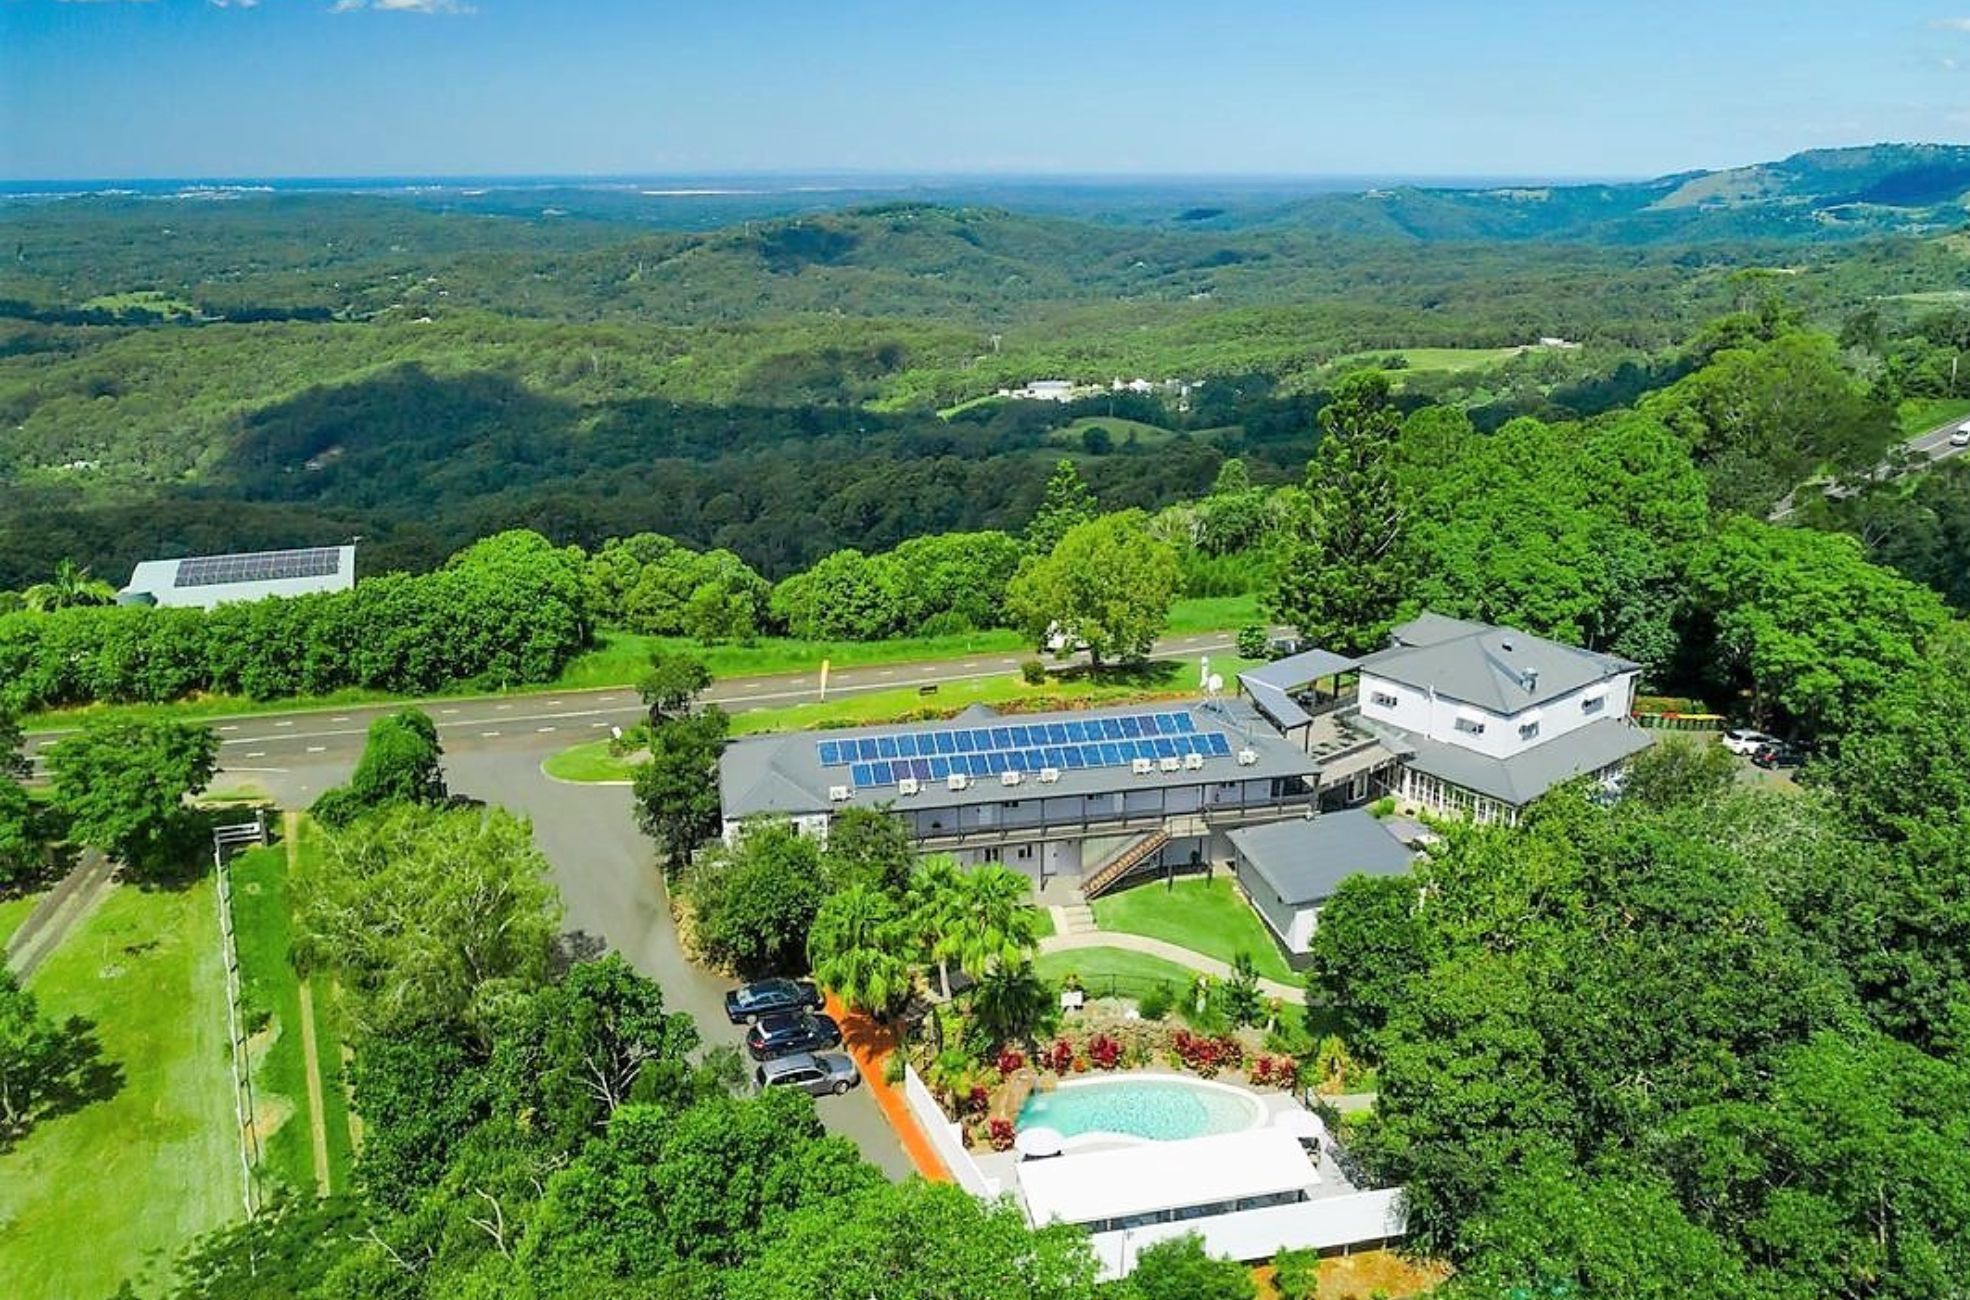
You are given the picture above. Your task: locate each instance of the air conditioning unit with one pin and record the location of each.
(1011, 778)
(908, 785)
(1170, 764)
(1142, 766)
(1247, 757)
(839, 793)
(1048, 775)
(957, 781)
(1193, 762)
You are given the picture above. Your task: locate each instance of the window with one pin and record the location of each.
(988, 855)
(1025, 852)
(1527, 730)
(1471, 726)
(1593, 704)
(1382, 699)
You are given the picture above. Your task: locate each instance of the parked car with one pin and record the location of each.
(1961, 438)
(790, 1032)
(1746, 742)
(817, 1073)
(1779, 755)
(1283, 647)
(749, 1002)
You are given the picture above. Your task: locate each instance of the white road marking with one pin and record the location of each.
(972, 664)
(489, 733)
(555, 704)
(447, 710)
(598, 724)
(543, 728)
(317, 749)
(234, 727)
(885, 672)
(258, 753)
(341, 719)
(502, 706)
(283, 724)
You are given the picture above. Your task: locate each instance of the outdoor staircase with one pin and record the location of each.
(1073, 918)
(1125, 860)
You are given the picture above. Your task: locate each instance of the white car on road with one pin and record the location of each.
(1960, 437)
(1745, 741)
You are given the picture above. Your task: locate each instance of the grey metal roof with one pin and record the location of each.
(1306, 859)
(1520, 779)
(1297, 670)
(1275, 703)
(782, 773)
(1496, 668)
(206, 580)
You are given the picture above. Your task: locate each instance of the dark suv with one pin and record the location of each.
(1779, 754)
(749, 1002)
(789, 1032)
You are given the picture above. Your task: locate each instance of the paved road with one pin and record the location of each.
(1933, 444)
(542, 723)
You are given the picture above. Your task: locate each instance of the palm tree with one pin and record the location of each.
(996, 924)
(71, 585)
(853, 947)
(935, 898)
(1012, 1003)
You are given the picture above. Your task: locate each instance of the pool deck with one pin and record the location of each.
(1002, 1167)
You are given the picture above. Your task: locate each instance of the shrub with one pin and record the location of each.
(1033, 672)
(1001, 1134)
(1104, 1052)
(1382, 807)
(1252, 641)
(978, 1100)
(1156, 1003)
(892, 1069)
(1060, 1057)
(1296, 1274)
(1206, 1055)
(1010, 1062)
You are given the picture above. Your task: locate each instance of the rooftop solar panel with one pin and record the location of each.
(1081, 743)
(260, 566)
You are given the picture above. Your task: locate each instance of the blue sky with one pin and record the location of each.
(150, 88)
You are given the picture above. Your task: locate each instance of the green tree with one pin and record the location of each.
(1181, 1269)
(1068, 503)
(993, 923)
(122, 786)
(45, 1067)
(869, 846)
(676, 788)
(1679, 769)
(1012, 1004)
(854, 949)
(1369, 944)
(1341, 564)
(756, 902)
(916, 1241)
(1107, 585)
(401, 762)
(428, 916)
(671, 683)
(932, 914)
(22, 850)
(71, 586)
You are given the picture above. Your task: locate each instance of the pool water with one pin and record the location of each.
(1162, 1110)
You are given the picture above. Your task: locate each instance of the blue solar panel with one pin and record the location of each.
(1076, 744)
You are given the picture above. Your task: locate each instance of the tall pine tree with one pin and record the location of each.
(1341, 565)
(1068, 502)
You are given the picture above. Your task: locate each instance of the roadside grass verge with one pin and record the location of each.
(618, 658)
(1113, 972)
(117, 1187)
(1204, 915)
(589, 761)
(1921, 414)
(14, 910)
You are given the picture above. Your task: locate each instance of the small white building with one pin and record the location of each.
(1289, 869)
(204, 581)
(1045, 390)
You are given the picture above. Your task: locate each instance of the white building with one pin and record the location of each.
(1045, 390)
(1289, 869)
(207, 580)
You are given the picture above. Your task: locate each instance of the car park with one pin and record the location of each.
(790, 1032)
(818, 1074)
(1779, 754)
(1745, 742)
(749, 1002)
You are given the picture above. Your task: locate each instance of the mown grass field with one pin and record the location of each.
(1117, 970)
(1436, 359)
(114, 1189)
(1071, 436)
(1204, 915)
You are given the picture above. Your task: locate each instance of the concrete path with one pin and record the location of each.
(1196, 961)
(73, 899)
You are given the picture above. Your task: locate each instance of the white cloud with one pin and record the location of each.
(1951, 24)
(403, 6)
(234, 4)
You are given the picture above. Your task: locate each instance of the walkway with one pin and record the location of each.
(73, 899)
(1196, 961)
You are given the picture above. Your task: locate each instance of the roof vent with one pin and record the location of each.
(908, 785)
(1142, 766)
(957, 781)
(1247, 757)
(1530, 679)
(838, 793)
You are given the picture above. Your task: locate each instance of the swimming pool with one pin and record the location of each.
(1159, 1108)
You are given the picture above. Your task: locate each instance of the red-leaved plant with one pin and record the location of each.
(1001, 1134)
(1010, 1062)
(1104, 1053)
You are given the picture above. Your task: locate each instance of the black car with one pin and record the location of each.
(789, 1032)
(749, 1002)
(1779, 755)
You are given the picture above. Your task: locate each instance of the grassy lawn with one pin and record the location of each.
(116, 1188)
(589, 761)
(14, 910)
(1042, 923)
(1921, 414)
(618, 657)
(1207, 916)
(1113, 971)
(271, 997)
(1146, 435)
(1445, 359)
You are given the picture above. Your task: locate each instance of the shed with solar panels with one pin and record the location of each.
(203, 581)
(1055, 794)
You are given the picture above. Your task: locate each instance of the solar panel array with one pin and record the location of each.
(261, 566)
(1021, 747)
